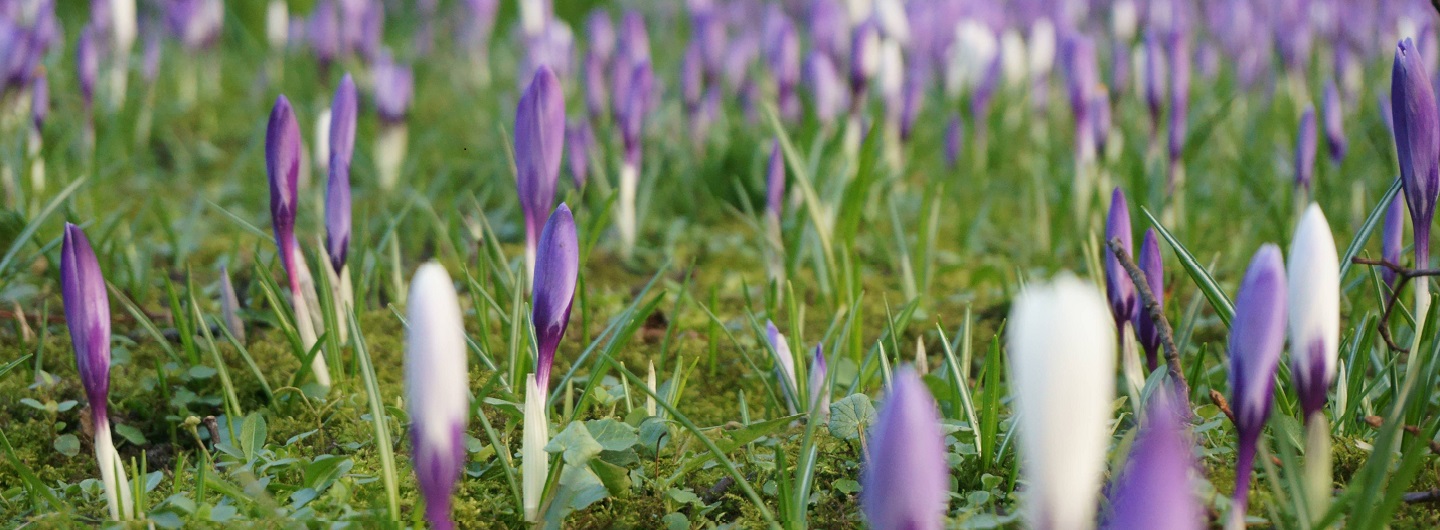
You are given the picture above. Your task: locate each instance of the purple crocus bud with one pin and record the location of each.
(39, 99)
(954, 140)
(1154, 77)
(1147, 330)
(980, 99)
(913, 98)
(1334, 124)
(1082, 76)
(1417, 142)
(282, 165)
(634, 42)
(775, 180)
(783, 55)
(905, 481)
(557, 262)
(1179, 60)
(539, 146)
(636, 106)
(1305, 151)
(1155, 489)
(1314, 302)
(1257, 335)
(343, 110)
(592, 74)
(1118, 287)
(1100, 119)
(87, 314)
(600, 35)
(784, 363)
(827, 91)
(87, 62)
(819, 393)
(1393, 237)
(150, 60)
(323, 31)
(394, 87)
(581, 139)
(864, 59)
(437, 389)
(692, 79)
(829, 28)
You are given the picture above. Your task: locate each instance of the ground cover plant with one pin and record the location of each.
(752, 264)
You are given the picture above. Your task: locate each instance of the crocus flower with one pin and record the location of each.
(600, 35)
(1147, 329)
(1393, 237)
(1334, 124)
(282, 165)
(39, 107)
(87, 314)
(632, 126)
(954, 140)
(1100, 118)
(277, 25)
(343, 110)
(1062, 354)
(1257, 335)
(557, 262)
(394, 87)
(1118, 287)
(323, 30)
(829, 28)
(1179, 60)
(784, 363)
(864, 61)
(783, 55)
(1314, 302)
(87, 63)
(1305, 151)
(1417, 143)
(476, 31)
(775, 180)
(581, 138)
(1155, 489)
(905, 481)
(819, 392)
(437, 389)
(1154, 77)
(539, 146)
(827, 91)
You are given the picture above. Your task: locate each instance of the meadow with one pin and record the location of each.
(887, 291)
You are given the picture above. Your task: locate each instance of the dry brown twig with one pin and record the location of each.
(1157, 315)
(1403, 275)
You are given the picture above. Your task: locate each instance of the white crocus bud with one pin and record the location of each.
(1042, 47)
(972, 52)
(437, 386)
(277, 24)
(322, 141)
(534, 462)
(1314, 301)
(1061, 343)
(1013, 61)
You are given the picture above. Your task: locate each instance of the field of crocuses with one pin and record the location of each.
(890, 264)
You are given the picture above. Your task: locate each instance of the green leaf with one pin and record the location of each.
(615, 478)
(576, 443)
(323, 472)
(252, 435)
(578, 489)
(1212, 291)
(131, 434)
(1363, 235)
(67, 444)
(684, 496)
(611, 434)
(847, 486)
(850, 417)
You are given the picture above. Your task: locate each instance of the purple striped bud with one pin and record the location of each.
(1417, 143)
(827, 91)
(597, 95)
(539, 146)
(775, 180)
(39, 99)
(906, 478)
(282, 166)
(784, 363)
(1155, 490)
(600, 35)
(437, 392)
(581, 139)
(1305, 151)
(343, 110)
(394, 88)
(557, 262)
(1334, 124)
(954, 140)
(633, 45)
(87, 313)
(1118, 287)
(1393, 237)
(1257, 336)
(634, 108)
(1314, 302)
(819, 393)
(1146, 328)
(864, 59)
(87, 63)
(1154, 77)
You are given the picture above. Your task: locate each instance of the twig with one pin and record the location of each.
(1377, 422)
(1422, 496)
(1157, 315)
(1224, 406)
(1402, 276)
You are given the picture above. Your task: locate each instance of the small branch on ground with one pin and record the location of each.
(1157, 315)
(1403, 275)
(1378, 422)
